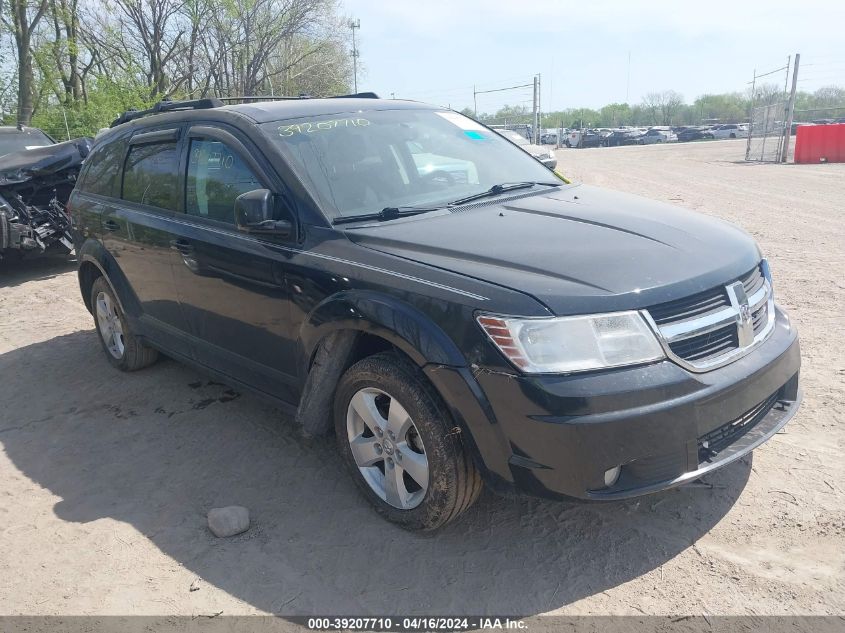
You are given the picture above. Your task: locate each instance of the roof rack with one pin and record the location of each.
(217, 102)
(357, 95)
(167, 106)
(272, 98)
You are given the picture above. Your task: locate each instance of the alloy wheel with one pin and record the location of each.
(387, 448)
(111, 329)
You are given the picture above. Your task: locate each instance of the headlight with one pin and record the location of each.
(569, 344)
(551, 153)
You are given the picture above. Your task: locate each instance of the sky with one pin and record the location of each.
(438, 50)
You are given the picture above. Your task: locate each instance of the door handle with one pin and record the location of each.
(111, 225)
(183, 246)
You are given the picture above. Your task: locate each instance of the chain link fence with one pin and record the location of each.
(767, 132)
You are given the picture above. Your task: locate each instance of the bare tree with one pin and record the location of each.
(23, 19)
(663, 106)
(146, 36)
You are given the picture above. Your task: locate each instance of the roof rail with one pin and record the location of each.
(357, 95)
(217, 102)
(167, 106)
(271, 98)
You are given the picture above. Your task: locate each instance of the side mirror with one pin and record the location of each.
(254, 211)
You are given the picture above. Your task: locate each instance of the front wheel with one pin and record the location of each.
(400, 444)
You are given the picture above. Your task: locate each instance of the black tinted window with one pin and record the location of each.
(216, 176)
(150, 175)
(103, 169)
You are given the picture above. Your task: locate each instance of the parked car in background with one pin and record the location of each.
(730, 130)
(18, 138)
(586, 138)
(549, 138)
(543, 154)
(622, 137)
(657, 135)
(35, 184)
(694, 134)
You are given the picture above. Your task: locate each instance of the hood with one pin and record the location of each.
(535, 150)
(577, 249)
(19, 167)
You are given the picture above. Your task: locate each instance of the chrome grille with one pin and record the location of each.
(714, 327)
(709, 345)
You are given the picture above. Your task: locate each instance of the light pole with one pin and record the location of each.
(355, 24)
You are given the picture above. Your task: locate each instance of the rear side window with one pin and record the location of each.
(151, 175)
(101, 176)
(216, 176)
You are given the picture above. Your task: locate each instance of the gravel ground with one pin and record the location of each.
(107, 477)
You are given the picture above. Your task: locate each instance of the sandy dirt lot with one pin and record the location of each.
(107, 478)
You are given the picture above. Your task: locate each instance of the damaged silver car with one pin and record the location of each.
(35, 184)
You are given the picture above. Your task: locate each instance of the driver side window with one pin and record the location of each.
(216, 176)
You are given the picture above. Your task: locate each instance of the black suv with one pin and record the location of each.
(453, 310)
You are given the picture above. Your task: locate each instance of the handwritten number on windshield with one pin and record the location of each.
(309, 127)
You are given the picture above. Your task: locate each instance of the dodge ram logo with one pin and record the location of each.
(745, 313)
(744, 316)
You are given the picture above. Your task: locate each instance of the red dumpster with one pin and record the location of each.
(820, 143)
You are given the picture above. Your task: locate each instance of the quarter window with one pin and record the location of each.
(150, 175)
(216, 176)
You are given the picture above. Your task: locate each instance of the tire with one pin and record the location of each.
(123, 349)
(451, 483)
(733, 135)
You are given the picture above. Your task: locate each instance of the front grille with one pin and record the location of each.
(702, 328)
(697, 305)
(712, 443)
(753, 281)
(703, 303)
(760, 317)
(707, 346)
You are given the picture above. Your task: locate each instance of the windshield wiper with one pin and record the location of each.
(388, 213)
(495, 190)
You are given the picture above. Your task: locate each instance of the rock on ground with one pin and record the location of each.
(228, 521)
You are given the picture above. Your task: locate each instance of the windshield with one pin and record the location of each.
(19, 141)
(362, 162)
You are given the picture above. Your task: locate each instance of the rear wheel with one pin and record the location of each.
(399, 444)
(123, 349)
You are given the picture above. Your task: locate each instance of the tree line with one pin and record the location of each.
(72, 65)
(669, 108)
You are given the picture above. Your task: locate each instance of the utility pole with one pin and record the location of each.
(475, 101)
(790, 109)
(536, 109)
(355, 24)
(751, 117)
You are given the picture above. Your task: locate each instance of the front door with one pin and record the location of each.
(231, 284)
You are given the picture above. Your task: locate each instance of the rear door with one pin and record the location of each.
(138, 229)
(232, 284)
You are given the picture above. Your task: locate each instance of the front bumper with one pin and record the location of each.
(661, 424)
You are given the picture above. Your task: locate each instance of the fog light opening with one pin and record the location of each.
(611, 476)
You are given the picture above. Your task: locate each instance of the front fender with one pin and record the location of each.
(401, 324)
